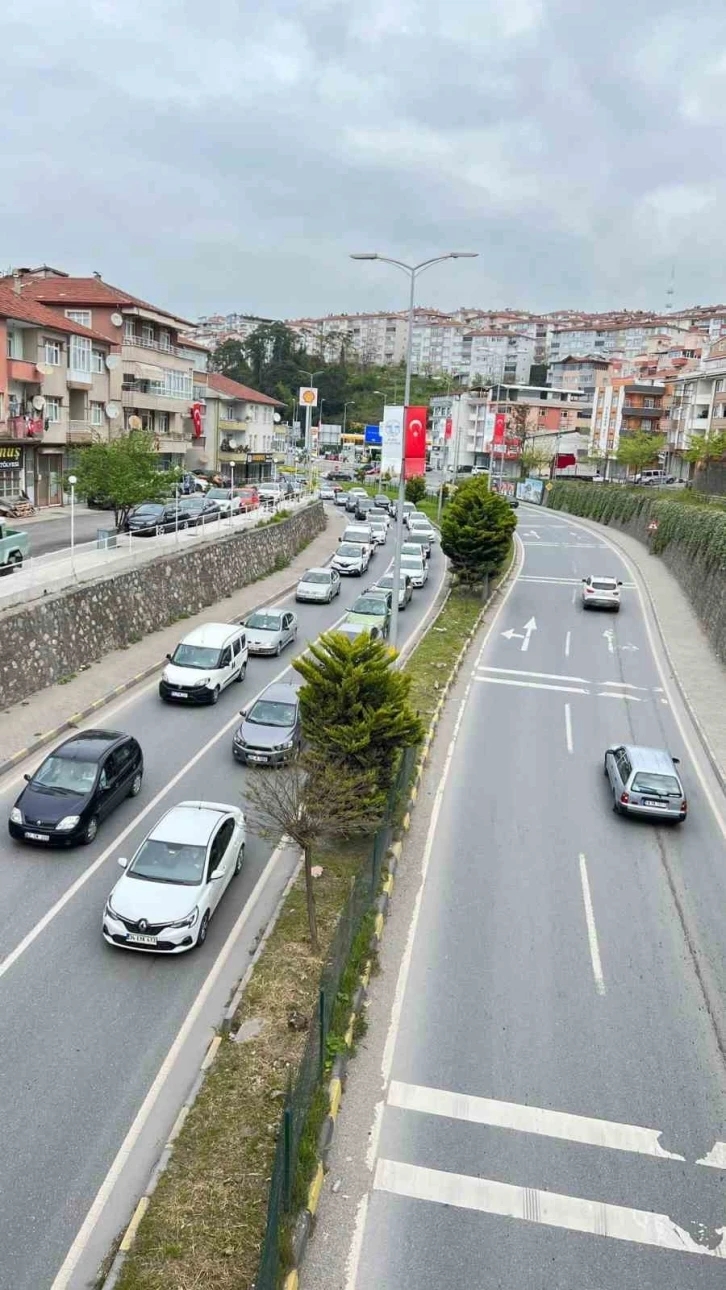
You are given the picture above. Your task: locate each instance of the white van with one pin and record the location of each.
(204, 662)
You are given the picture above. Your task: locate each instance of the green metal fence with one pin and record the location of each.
(308, 1076)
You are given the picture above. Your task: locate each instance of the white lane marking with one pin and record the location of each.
(549, 1208)
(568, 727)
(543, 676)
(609, 635)
(566, 582)
(574, 595)
(529, 1119)
(405, 967)
(568, 639)
(375, 1135)
(591, 928)
(530, 685)
(63, 1277)
(569, 546)
(353, 1260)
(529, 627)
(622, 685)
(716, 1158)
(613, 694)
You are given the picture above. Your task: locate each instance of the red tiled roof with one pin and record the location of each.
(233, 390)
(17, 306)
(85, 291)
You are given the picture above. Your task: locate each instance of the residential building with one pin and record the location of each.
(698, 407)
(580, 371)
(240, 428)
(213, 329)
(378, 339)
(154, 381)
(55, 394)
(624, 405)
(555, 421)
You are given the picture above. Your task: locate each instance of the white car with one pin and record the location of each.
(422, 524)
(270, 630)
(170, 890)
(318, 585)
(416, 568)
(351, 559)
(379, 532)
(601, 593)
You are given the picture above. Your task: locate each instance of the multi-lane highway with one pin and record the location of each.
(553, 1109)
(85, 1028)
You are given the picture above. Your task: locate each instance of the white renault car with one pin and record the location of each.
(170, 890)
(601, 593)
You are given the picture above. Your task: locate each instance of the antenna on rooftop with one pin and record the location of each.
(671, 290)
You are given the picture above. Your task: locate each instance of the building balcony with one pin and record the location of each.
(25, 427)
(232, 426)
(138, 342)
(139, 353)
(78, 380)
(634, 410)
(23, 372)
(152, 402)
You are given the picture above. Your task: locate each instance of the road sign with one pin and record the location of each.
(308, 396)
(548, 488)
(653, 526)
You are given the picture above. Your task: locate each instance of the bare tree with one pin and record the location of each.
(312, 803)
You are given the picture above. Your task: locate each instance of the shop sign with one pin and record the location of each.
(11, 456)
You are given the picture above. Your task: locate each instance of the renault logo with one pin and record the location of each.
(143, 925)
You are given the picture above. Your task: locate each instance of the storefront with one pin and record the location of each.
(12, 471)
(258, 467)
(48, 477)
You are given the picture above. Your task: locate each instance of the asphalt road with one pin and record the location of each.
(554, 1090)
(55, 535)
(85, 1027)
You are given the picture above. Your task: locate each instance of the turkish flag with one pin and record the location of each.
(448, 428)
(500, 425)
(566, 459)
(197, 419)
(414, 441)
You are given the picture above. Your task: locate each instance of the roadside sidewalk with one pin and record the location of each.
(38, 719)
(699, 675)
(50, 513)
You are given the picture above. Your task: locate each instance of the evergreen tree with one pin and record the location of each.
(476, 531)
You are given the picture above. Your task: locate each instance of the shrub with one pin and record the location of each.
(415, 488)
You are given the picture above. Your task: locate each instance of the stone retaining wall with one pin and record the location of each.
(53, 638)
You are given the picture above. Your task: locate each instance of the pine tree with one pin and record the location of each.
(476, 531)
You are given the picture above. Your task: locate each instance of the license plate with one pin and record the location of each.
(137, 938)
(256, 757)
(178, 694)
(38, 837)
(648, 801)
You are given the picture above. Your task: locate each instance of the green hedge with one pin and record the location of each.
(698, 529)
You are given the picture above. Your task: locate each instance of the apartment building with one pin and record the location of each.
(698, 407)
(154, 380)
(213, 329)
(555, 422)
(56, 379)
(240, 427)
(375, 338)
(624, 405)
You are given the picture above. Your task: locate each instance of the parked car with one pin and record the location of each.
(153, 518)
(271, 732)
(199, 509)
(76, 787)
(318, 585)
(415, 566)
(601, 593)
(236, 500)
(14, 548)
(204, 663)
(167, 894)
(405, 587)
(351, 558)
(644, 781)
(270, 630)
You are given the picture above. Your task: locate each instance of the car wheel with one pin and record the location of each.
(91, 830)
(240, 860)
(215, 695)
(136, 783)
(616, 805)
(159, 530)
(203, 928)
(15, 562)
(278, 651)
(241, 674)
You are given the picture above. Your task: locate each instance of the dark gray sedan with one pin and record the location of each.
(270, 733)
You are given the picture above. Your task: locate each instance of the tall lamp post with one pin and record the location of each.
(412, 271)
(232, 465)
(73, 481)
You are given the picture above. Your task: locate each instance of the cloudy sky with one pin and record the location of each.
(229, 154)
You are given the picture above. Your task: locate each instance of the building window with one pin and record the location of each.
(80, 355)
(53, 409)
(147, 333)
(648, 403)
(164, 339)
(15, 344)
(96, 414)
(53, 353)
(162, 423)
(97, 361)
(129, 329)
(82, 316)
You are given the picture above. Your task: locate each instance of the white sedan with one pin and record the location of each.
(270, 630)
(171, 888)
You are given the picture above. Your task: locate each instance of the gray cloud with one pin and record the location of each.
(231, 155)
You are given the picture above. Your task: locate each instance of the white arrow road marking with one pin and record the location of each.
(613, 694)
(529, 627)
(509, 634)
(609, 635)
(635, 648)
(531, 533)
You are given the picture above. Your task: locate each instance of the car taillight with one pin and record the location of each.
(588, 591)
(624, 798)
(684, 805)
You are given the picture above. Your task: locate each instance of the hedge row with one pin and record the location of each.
(698, 530)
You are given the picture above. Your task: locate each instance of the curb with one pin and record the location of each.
(49, 735)
(304, 1222)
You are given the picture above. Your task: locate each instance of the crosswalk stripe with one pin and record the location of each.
(549, 1209)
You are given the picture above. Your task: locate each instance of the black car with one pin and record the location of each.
(152, 518)
(79, 784)
(198, 509)
(363, 506)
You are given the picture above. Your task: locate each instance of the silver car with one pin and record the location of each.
(644, 781)
(270, 630)
(318, 586)
(601, 593)
(405, 587)
(379, 532)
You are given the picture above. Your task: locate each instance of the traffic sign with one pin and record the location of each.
(308, 396)
(653, 526)
(548, 488)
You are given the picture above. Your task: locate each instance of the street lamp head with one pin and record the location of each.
(364, 255)
(72, 480)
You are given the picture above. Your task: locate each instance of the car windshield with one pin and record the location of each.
(602, 584)
(191, 503)
(262, 622)
(176, 862)
(315, 576)
(648, 782)
(369, 605)
(349, 549)
(65, 775)
(151, 508)
(220, 494)
(200, 656)
(268, 712)
(411, 561)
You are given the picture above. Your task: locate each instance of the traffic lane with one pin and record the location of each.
(32, 879)
(54, 535)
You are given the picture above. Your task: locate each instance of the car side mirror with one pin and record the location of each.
(169, 657)
(26, 778)
(620, 582)
(122, 861)
(676, 761)
(218, 873)
(243, 712)
(584, 579)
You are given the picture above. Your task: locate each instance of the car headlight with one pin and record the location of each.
(109, 911)
(67, 823)
(284, 747)
(189, 921)
(16, 815)
(240, 740)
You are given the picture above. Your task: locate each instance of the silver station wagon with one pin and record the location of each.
(644, 781)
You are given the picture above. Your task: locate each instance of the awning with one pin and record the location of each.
(147, 372)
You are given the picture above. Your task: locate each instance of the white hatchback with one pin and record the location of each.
(601, 593)
(170, 890)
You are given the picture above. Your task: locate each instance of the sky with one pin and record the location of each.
(230, 155)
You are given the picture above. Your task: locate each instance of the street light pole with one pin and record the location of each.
(412, 270)
(73, 481)
(232, 465)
